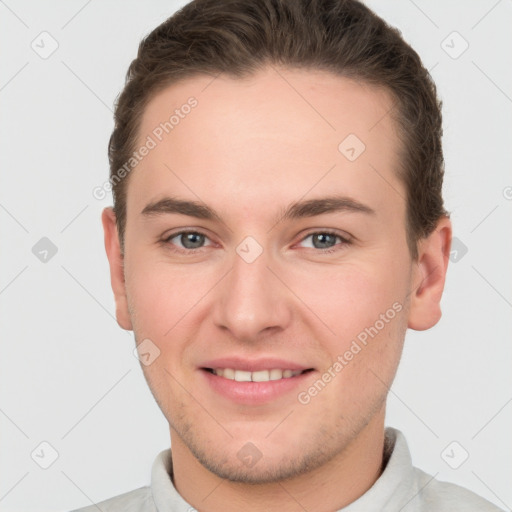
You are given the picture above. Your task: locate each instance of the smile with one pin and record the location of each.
(257, 387)
(256, 376)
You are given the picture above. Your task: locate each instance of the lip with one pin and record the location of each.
(254, 393)
(253, 365)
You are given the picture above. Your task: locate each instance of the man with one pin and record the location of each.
(277, 226)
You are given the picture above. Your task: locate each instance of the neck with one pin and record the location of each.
(332, 486)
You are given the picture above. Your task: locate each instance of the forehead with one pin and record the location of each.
(276, 130)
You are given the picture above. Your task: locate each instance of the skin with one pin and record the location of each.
(249, 149)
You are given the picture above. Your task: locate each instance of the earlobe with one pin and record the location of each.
(116, 264)
(429, 276)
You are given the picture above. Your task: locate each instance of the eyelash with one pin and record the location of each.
(329, 250)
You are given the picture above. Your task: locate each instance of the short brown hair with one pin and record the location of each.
(238, 37)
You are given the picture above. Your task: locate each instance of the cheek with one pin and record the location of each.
(349, 297)
(158, 295)
(363, 359)
(363, 306)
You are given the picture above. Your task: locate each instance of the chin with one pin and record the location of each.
(250, 465)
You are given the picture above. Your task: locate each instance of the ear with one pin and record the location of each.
(429, 275)
(116, 263)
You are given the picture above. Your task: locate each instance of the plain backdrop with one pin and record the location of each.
(68, 376)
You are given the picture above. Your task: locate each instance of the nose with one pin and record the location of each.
(251, 301)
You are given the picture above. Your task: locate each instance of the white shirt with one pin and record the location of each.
(400, 488)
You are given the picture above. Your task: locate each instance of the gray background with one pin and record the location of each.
(68, 374)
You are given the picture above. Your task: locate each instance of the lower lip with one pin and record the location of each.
(255, 393)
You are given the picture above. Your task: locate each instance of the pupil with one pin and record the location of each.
(323, 240)
(192, 240)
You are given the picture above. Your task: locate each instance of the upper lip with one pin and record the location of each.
(253, 365)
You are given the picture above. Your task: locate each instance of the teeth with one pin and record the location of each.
(260, 376)
(241, 376)
(257, 376)
(228, 373)
(276, 374)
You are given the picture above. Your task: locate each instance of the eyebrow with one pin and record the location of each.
(297, 210)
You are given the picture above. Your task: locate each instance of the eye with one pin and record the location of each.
(324, 240)
(187, 241)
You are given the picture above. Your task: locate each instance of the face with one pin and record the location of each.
(262, 243)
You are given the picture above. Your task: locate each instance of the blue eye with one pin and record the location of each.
(324, 240)
(187, 240)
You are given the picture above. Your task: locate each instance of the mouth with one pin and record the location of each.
(256, 376)
(253, 384)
